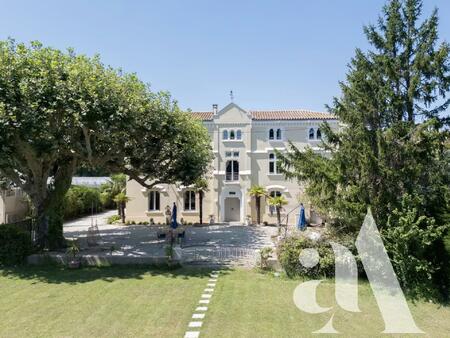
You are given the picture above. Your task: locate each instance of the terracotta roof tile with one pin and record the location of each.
(203, 115)
(294, 114)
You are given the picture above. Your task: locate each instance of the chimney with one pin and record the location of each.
(215, 108)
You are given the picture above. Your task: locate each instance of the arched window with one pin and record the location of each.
(271, 134)
(232, 171)
(311, 133)
(272, 163)
(189, 200)
(278, 134)
(232, 135)
(238, 134)
(153, 201)
(318, 134)
(225, 135)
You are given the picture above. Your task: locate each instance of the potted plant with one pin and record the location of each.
(248, 220)
(265, 254)
(74, 261)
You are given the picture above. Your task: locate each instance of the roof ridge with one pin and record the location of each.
(281, 114)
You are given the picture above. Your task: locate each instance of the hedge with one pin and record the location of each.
(15, 244)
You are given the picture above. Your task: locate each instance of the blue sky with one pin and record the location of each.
(272, 54)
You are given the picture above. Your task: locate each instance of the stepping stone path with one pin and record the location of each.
(200, 311)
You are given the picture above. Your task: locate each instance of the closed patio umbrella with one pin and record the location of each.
(301, 219)
(174, 223)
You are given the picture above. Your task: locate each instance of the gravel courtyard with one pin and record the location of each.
(229, 244)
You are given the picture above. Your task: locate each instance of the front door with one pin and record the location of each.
(232, 209)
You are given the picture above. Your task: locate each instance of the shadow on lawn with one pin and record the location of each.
(61, 275)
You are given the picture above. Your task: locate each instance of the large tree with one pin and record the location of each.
(393, 143)
(60, 111)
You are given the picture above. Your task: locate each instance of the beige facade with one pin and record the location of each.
(13, 206)
(243, 143)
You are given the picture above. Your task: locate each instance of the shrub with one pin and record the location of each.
(15, 245)
(409, 237)
(113, 218)
(289, 253)
(80, 200)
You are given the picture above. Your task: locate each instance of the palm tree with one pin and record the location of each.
(278, 202)
(201, 186)
(121, 199)
(257, 192)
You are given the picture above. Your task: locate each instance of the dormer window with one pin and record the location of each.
(225, 135)
(271, 134)
(311, 133)
(238, 134)
(232, 135)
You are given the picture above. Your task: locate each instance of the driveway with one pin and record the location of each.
(232, 244)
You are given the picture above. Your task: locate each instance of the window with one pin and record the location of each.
(271, 134)
(225, 135)
(238, 134)
(275, 193)
(232, 171)
(311, 133)
(232, 154)
(318, 134)
(189, 200)
(278, 134)
(153, 201)
(232, 135)
(272, 164)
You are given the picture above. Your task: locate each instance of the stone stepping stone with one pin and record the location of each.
(198, 316)
(195, 324)
(204, 301)
(192, 334)
(202, 308)
(205, 295)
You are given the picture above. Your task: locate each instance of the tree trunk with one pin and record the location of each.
(46, 201)
(279, 219)
(258, 210)
(119, 209)
(122, 211)
(200, 198)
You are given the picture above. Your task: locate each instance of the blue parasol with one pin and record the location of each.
(174, 223)
(301, 225)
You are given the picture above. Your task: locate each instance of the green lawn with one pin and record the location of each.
(135, 302)
(249, 304)
(102, 302)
